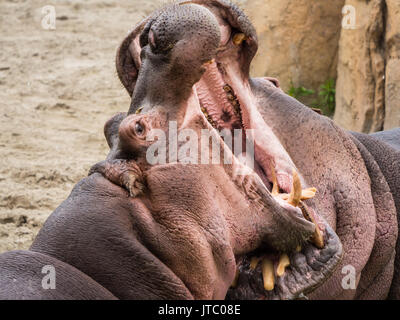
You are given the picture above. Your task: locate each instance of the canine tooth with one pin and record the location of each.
(235, 281)
(139, 110)
(317, 239)
(209, 62)
(254, 263)
(295, 195)
(268, 274)
(239, 38)
(284, 262)
(275, 187)
(298, 248)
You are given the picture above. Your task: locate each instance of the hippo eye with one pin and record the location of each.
(139, 129)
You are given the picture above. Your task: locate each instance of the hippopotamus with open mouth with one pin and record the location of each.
(318, 200)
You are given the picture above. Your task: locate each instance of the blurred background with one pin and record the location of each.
(58, 84)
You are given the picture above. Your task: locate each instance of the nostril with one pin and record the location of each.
(152, 39)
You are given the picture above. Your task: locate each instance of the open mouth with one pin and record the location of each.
(227, 102)
(265, 273)
(225, 98)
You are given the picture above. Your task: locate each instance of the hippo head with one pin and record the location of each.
(189, 63)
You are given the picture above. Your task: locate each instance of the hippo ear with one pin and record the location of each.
(111, 129)
(128, 58)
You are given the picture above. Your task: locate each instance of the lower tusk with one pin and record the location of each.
(268, 274)
(239, 38)
(284, 262)
(254, 263)
(235, 281)
(317, 238)
(295, 195)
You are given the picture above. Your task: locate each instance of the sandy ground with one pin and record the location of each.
(57, 89)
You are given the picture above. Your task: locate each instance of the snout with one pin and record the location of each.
(174, 46)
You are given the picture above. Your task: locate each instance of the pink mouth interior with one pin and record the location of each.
(222, 108)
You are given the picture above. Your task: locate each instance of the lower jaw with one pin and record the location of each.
(310, 268)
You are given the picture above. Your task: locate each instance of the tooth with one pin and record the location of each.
(284, 262)
(295, 195)
(298, 248)
(275, 187)
(235, 281)
(230, 97)
(209, 62)
(239, 38)
(317, 238)
(268, 274)
(139, 110)
(305, 194)
(227, 88)
(254, 263)
(308, 193)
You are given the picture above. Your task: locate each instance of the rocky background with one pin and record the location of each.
(58, 87)
(312, 44)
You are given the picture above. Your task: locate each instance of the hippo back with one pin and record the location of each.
(385, 149)
(391, 137)
(27, 275)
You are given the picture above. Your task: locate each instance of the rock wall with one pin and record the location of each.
(298, 40)
(368, 84)
(303, 42)
(360, 94)
(392, 51)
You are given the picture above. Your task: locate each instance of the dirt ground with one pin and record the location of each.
(57, 89)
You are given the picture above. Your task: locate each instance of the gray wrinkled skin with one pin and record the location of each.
(103, 241)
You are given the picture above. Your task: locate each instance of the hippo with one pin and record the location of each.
(356, 175)
(319, 201)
